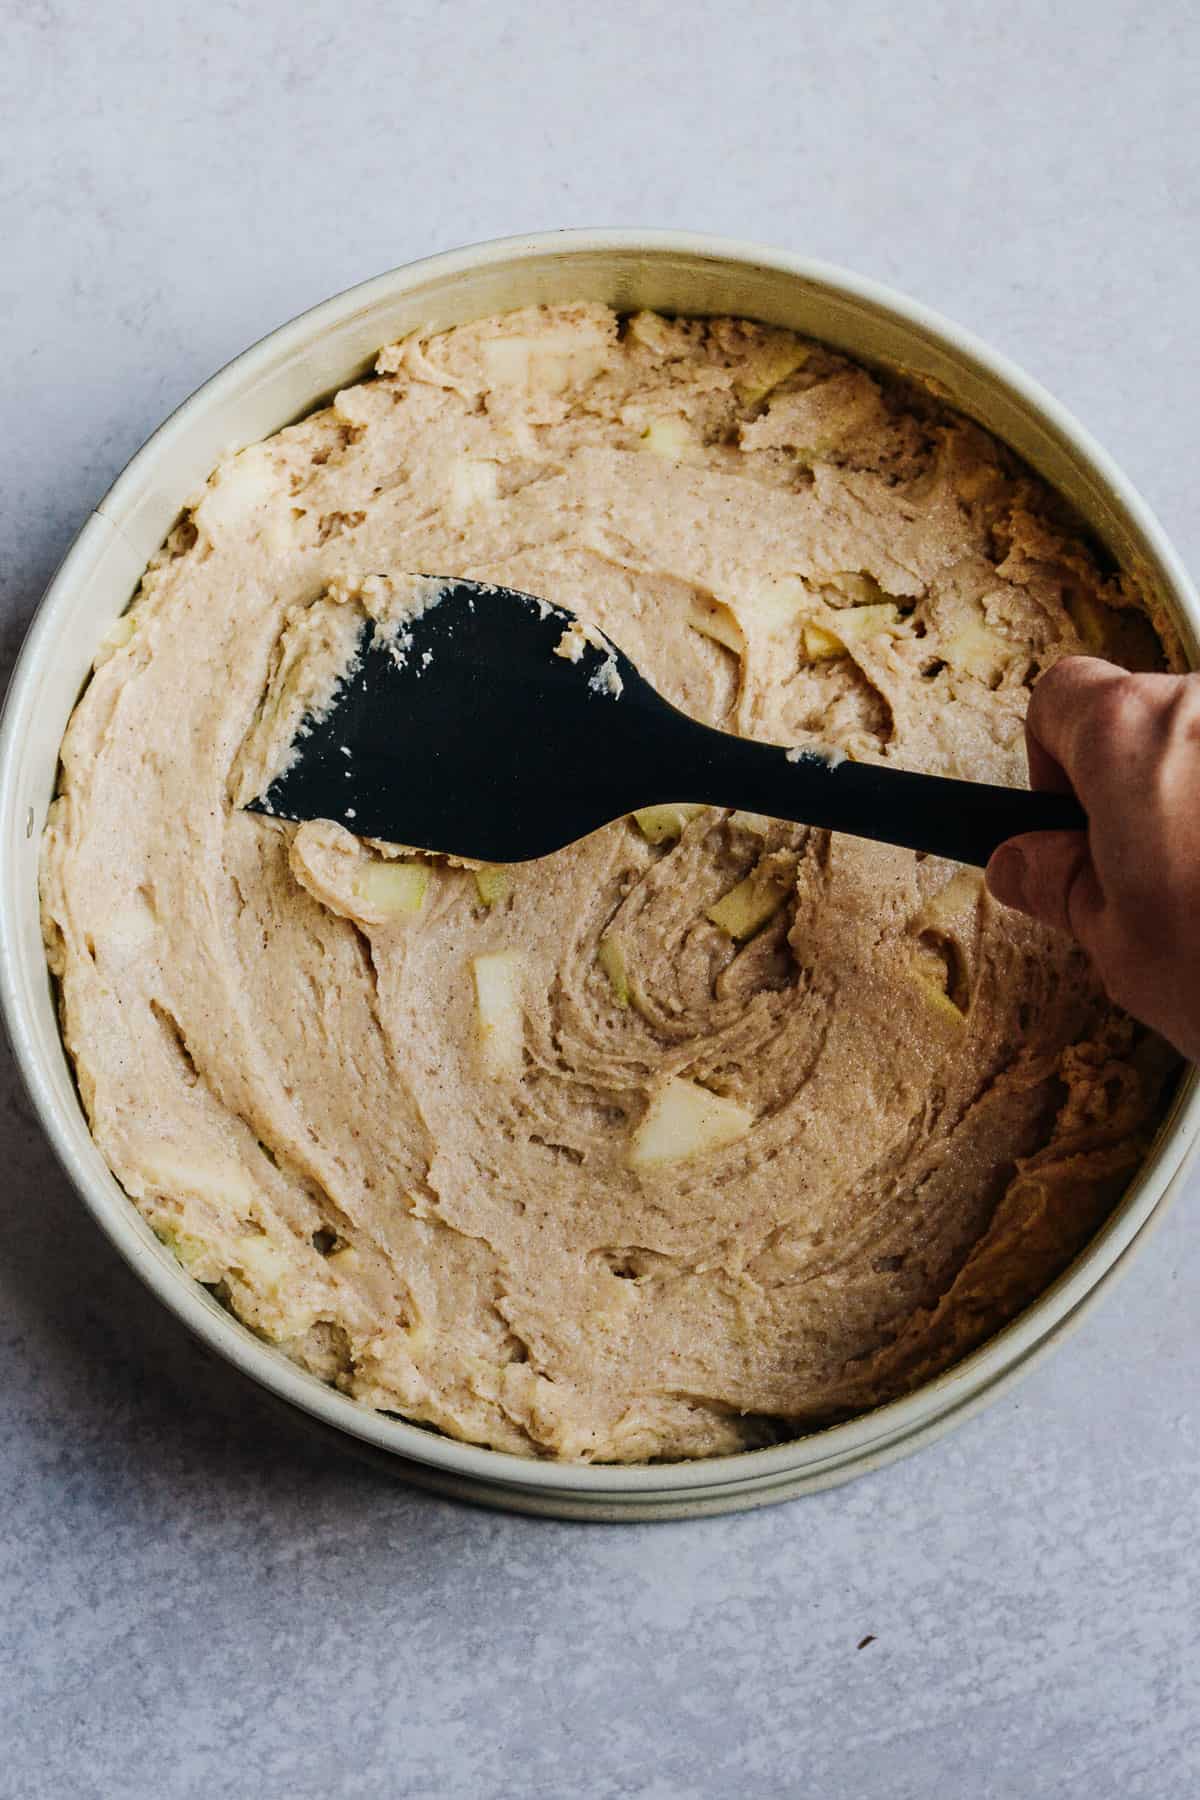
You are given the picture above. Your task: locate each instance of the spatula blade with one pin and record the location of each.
(490, 736)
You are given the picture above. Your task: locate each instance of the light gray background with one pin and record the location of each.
(193, 1598)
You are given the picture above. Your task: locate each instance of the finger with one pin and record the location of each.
(1049, 875)
(1046, 774)
(1059, 710)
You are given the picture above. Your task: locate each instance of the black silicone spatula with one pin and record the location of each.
(483, 740)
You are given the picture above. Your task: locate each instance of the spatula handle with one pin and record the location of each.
(963, 820)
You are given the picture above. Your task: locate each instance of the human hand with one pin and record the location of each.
(1128, 889)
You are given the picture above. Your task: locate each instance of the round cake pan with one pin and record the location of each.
(276, 382)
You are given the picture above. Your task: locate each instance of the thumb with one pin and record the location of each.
(1049, 875)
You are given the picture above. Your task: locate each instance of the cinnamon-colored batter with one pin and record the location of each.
(707, 1129)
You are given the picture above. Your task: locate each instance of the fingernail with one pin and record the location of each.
(1006, 876)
